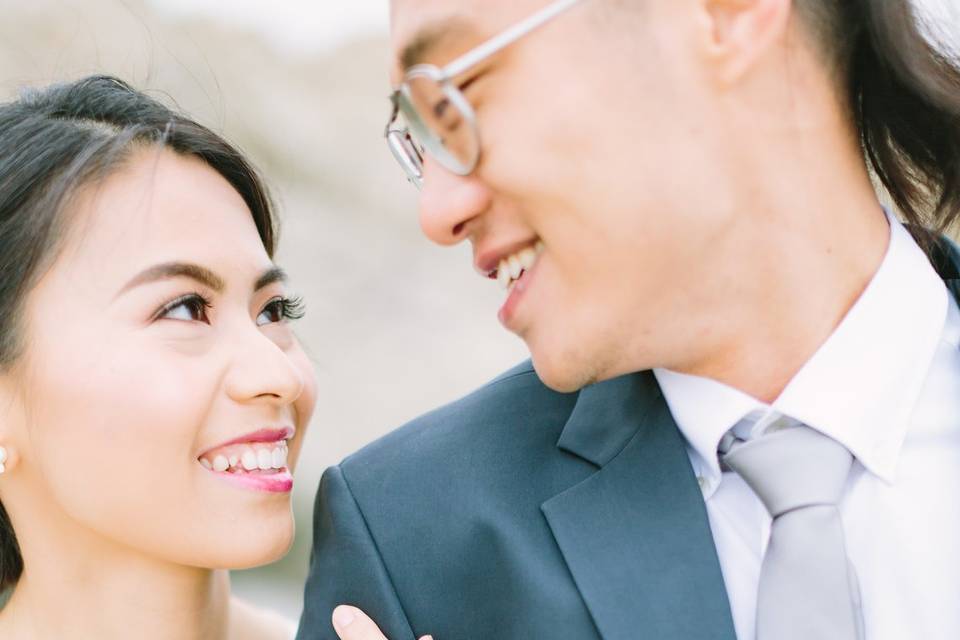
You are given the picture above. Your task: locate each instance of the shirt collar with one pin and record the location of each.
(859, 387)
(704, 410)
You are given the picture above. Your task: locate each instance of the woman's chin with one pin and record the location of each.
(253, 547)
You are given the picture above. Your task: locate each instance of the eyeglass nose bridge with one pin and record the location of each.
(406, 153)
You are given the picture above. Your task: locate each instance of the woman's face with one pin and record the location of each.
(157, 337)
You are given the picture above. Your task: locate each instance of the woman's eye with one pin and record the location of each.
(280, 309)
(191, 308)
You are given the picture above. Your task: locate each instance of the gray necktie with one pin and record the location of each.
(808, 588)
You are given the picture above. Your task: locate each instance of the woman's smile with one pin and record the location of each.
(256, 461)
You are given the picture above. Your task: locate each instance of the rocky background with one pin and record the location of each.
(395, 325)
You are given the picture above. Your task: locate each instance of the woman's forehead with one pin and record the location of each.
(159, 206)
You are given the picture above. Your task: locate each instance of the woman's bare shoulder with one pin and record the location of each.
(249, 622)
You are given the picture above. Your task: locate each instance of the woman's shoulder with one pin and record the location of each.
(249, 622)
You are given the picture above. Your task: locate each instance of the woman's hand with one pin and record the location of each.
(353, 624)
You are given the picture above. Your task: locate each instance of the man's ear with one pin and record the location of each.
(737, 33)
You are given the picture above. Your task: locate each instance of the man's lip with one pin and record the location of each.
(487, 262)
(261, 435)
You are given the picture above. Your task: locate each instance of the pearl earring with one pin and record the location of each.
(3, 459)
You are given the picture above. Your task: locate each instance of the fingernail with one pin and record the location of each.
(343, 617)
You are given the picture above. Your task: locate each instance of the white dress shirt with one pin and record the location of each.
(886, 384)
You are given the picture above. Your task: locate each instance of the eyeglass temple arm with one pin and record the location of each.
(498, 42)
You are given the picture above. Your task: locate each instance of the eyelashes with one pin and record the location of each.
(195, 304)
(293, 308)
(195, 307)
(284, 308)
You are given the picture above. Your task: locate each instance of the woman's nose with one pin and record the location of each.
(263, 372)
(449, 203)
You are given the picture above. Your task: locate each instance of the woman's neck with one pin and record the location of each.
(115, 594)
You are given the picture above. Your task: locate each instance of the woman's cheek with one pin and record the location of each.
(116, 440)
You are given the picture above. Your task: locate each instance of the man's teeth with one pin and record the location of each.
(512, 267)
(514, 263)
(248, 458)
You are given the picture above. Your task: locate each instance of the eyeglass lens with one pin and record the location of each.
(438, 122)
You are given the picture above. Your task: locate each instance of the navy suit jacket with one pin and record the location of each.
(520, 512)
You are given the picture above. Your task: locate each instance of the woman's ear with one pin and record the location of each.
(11, 423)
(737, 33)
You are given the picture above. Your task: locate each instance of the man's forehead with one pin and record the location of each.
(418, 27)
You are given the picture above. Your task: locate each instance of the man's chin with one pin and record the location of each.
(561, 374)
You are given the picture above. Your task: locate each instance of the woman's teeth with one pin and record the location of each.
(248, 458)
(512, 267)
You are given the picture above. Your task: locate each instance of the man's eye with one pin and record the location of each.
(445, 109)
(189, 308)
(280, 309)
(440, 108)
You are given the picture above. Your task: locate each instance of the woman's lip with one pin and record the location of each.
(261, 435)
(280, 481)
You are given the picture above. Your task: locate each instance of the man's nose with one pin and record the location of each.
(450, 204)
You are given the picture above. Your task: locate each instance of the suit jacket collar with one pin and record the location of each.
(607, 415)
(635, 534)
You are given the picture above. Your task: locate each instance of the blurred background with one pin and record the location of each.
(395, 325)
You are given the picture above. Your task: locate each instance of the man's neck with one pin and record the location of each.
(813, 238)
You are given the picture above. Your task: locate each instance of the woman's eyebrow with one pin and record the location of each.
(201, 274)
(170, 270)
(270, 276)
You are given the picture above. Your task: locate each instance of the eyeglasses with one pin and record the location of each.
(440, 120)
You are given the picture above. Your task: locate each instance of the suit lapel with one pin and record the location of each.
(635, 534)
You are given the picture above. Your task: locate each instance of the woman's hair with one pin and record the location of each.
(56, 140)
(904, 94)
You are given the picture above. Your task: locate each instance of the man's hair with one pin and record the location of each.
(904, 96)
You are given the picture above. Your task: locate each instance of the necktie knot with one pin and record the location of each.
(808, 588)
(792, 468)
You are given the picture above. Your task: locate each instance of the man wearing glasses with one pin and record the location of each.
(741, 418)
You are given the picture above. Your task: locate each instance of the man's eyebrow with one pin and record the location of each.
(432, 36)
(204, 276)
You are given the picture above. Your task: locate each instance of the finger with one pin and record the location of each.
(352, 624)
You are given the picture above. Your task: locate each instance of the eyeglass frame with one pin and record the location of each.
(402, 144)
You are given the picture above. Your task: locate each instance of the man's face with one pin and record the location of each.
(593, 129)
